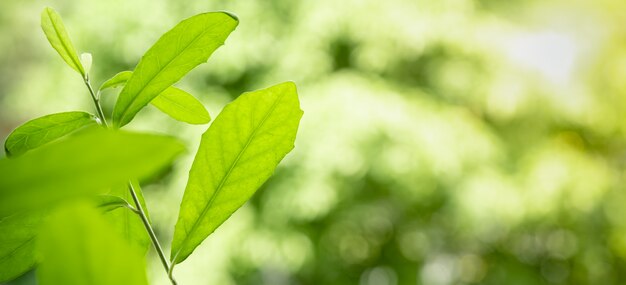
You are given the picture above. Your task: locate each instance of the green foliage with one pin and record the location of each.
(174, 102)
(54, 29)
(87, 175)
(231, 165)
(107, 202)
(40, 131)
(178, 51)
(181, 106)
(17, 243)
(117, 80)
(79, 247)
(73, 167)
(126, 222)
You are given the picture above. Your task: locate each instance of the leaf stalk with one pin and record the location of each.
(138, 208)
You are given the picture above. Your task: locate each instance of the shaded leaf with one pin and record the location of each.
(181, 106)
(54, 30)
(88, 163)
(237, 154)
(177, 52)
(79, 247)
(18, 234)
(40, 131)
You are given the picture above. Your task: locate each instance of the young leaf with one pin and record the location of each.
(86, 59)
(177, 52)
(54, 29)
(237, 154)
(174, 102)
(117, 80)
(181, 106)
(87, 163)
(127, 223)
(109, 202)
(17, 244)
(79, 247)
(40, 131)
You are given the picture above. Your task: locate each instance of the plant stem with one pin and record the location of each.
(138, 208)
(96, 101)
(150, 231)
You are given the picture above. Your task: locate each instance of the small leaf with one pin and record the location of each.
(54, 29)
(117, 80)
(127, 223)
(79, 247)
(17, 244)
(86, 59)
(174, 102)
(88, 163)
(43, 130)
(187, 45)
(181, 106)
(109, 203)
(237, 154)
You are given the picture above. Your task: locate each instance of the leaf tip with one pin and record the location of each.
(6, 150)
(290, 85)
(233, 16)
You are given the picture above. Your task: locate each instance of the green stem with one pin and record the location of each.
(151, 233)
(138, 208)
(96, 101)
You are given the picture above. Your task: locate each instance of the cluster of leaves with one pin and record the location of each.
(70, 198)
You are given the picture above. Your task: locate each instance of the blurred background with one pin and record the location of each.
(443, 142)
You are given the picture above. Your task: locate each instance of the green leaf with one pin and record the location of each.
(79, 247)
(109, 203)
(88, 163)
(117, 80)
(126, 222)
(17, 244)
(174, 102)
(54, 29)
(177, 52)
(181, 106)
(237, 154)
(40, 131)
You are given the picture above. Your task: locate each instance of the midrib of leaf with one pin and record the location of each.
(225, 178)
(56, 31)
(133, 100)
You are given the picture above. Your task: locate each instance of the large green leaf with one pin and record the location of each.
(181, 106)
(89, 162)
(127, 223)
(18, 233)
(40, 131)
(177, 52)
(79, 247)
(237, 154)
(174, 102)
(54, 29)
